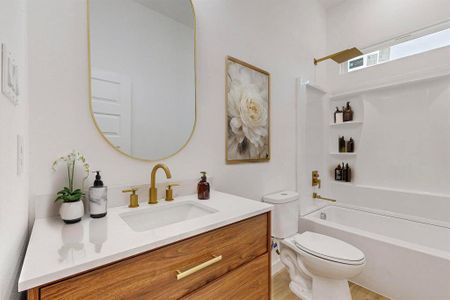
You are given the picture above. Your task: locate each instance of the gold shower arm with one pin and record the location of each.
(341, 56)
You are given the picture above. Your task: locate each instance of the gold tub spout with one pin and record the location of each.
(317, 196)
(153, 191)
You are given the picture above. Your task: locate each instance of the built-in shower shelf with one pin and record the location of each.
(351, 123)
(343, 153)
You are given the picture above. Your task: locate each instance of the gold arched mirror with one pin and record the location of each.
(142, 74)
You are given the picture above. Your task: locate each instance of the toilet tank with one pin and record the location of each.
(285, 213)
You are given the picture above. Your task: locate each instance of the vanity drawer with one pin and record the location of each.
(153, 275)
(250, 281)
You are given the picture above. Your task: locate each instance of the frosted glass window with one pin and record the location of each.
(417, 45)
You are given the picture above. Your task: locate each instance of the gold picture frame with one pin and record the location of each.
(247, 112)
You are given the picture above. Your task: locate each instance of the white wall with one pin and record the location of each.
(157, 54)
(13, 121)
(280, 38)
(362, 23)
(283, 39)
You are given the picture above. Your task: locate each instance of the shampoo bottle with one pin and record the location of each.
(348, 113)
(338, 173)
(351, 146)
(98, 198)
(341, 144)
(338, 116)
(203, 188)
(348, 173)
(344, 173)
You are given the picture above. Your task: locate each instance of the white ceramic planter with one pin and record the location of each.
(71, 212)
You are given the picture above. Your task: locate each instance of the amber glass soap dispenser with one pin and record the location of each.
(203, 187)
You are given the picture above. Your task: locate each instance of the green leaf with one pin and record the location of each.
(73, 197)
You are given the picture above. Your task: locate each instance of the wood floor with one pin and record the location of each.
(281, 291)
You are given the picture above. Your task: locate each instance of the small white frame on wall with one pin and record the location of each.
(10, 76)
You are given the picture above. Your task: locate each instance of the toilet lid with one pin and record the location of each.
(328, 248)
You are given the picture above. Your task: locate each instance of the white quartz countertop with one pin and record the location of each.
(57, 250)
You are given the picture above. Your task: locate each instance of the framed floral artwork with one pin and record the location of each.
(247, 96)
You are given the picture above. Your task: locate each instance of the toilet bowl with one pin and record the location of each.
(319, 266)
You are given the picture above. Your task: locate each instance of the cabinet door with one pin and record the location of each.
(153, 275)
(250, 281)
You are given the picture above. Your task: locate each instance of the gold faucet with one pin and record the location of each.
(153, 191)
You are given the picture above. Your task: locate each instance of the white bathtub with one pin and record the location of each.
(407, 258)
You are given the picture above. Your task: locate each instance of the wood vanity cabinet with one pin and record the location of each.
(238, 267)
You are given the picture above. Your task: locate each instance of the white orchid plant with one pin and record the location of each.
(70, 194)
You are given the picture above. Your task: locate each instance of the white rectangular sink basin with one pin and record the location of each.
(154, 217)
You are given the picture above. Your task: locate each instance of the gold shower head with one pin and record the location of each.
(341, 56)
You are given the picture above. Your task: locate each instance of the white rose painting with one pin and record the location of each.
(248, 115)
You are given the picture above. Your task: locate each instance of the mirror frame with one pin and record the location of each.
(91, 111)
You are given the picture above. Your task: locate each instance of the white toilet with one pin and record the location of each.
(319, 266)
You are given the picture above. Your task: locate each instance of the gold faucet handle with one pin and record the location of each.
(134, 199)
(169, 191)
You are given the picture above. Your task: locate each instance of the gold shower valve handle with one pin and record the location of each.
(134, 199)
(315, 181)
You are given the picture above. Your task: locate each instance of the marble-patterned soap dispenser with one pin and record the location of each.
(98, 198)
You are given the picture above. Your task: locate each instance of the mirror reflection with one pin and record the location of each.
(143, 74)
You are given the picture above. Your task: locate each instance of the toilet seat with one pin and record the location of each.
(328, 248)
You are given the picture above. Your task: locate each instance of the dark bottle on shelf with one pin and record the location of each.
(344, 173)
(348, 113)
(338, 173)
(341, 144)
(348, 173)
(338, 116)
(350, 146)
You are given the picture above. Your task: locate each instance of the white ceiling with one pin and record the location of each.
(330, 3)
(179, 10)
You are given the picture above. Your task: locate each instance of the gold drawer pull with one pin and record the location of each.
(215, 259)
